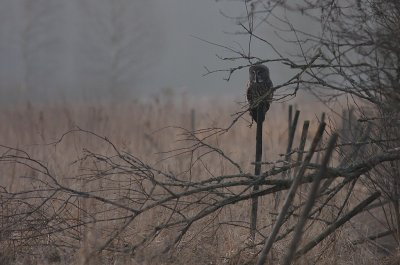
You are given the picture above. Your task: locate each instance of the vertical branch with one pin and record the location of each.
(302, 144)
(290, 120)
(292, 131)
(193, 120)
(303, 140)
(116, 38)
(289, 198)
(346, 130)
(318, 154)
(25, 46)
(257, 171)
(310, 202)
(35, 19)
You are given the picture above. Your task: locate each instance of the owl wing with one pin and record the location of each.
(255, 91)
(270, 87)
(249, 94)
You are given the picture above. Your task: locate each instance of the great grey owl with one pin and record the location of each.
(259, 91)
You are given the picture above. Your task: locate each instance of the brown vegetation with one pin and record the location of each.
(79, 212)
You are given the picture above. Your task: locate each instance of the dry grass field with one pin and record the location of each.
(152, 132)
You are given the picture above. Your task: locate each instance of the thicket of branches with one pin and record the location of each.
(355, 56)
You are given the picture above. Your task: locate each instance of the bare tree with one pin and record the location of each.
(128, 36)
(38, 39)
(353, 58)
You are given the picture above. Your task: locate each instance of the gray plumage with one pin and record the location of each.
(259, 91)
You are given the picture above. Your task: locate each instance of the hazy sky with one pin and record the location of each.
(184, 58)
(67, 51)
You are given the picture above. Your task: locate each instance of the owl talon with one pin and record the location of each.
(251, 124)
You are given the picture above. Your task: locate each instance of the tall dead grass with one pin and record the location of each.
(149, 131)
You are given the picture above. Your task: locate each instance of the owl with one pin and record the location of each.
(259, 92)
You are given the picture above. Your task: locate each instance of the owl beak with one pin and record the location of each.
(258, 79)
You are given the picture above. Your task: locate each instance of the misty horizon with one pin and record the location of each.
(91, 49)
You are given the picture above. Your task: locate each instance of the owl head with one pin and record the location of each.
(258, 73)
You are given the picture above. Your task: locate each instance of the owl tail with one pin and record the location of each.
(258, 113)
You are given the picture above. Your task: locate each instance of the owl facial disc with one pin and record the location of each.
(259, 78)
